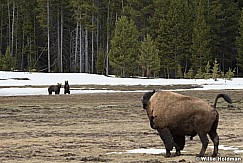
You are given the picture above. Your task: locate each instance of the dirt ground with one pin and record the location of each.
(87, 127)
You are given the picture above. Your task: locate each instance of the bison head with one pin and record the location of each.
(59, 85)
(146, 97)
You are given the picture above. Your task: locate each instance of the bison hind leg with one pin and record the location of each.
(49, 91)
(214, 137)
(167, 138)
(204, 139)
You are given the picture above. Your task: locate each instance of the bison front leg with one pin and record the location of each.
(180, 143)
(166, 137)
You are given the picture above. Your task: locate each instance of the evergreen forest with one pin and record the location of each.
(127, 38)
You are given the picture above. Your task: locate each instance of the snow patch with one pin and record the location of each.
(89, 79)
(44, 91)
(226, 148)
(163, 151)
(141, 151)
(8, 79)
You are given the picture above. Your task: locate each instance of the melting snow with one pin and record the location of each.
(163, 151)
(225, 147)
(44, 79)
(142, 150)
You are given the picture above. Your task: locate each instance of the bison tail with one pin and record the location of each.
(224, 96)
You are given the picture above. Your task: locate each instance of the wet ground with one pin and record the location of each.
(101, 128)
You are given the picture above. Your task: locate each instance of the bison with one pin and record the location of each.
(54, 88)
(66, 88)
(175, 116)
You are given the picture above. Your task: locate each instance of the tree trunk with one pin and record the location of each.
(12, 33)
(48, 37)
(86, 51)
(35, 50)
(147, 72)
(16, 37)
(61, 43)
(76, 48)
(9, 24)
(1, 30)
(60, 38)
(186, 67)
(92, 47)
(97, 39)
(22, 53)
(58, 42)
(107, 39)
(92, 43)
(29, 55)
(80, 48)
(70, 51)
(122, 4)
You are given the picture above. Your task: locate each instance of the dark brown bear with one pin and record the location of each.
(175, 116)
(66, 88)
(54, 88)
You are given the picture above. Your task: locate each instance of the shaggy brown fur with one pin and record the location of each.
(66, 88)
(175, 116)
(54, 88)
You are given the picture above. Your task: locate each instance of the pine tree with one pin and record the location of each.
(223, 16)
(8, 61)
(188, 12)
(215, 70)
(149, 60)
(78, 28)
(173, 37)
(199, 74)
(230, 74)
(100, 64)
(228, 46)
(27, 49)
(1, 61)
(158, 10)
(179, 72)
(124, 47)
(200, 40)
(215, 20)
(207, 74)
(239, 43)
(189, 74)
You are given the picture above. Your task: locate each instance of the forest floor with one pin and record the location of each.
(101, 128)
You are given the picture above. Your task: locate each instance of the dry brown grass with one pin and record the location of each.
(84, 128)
